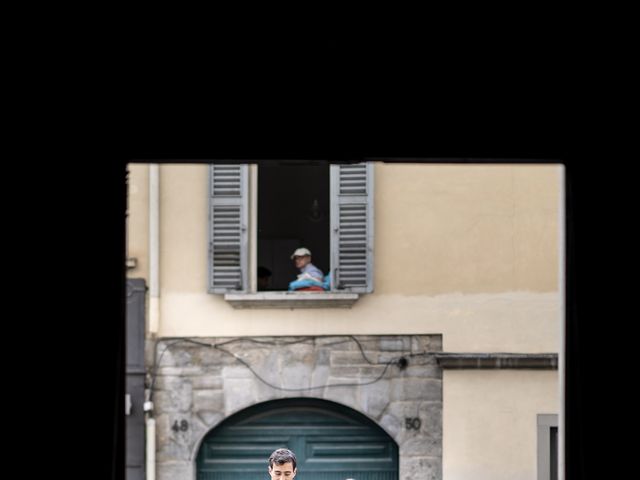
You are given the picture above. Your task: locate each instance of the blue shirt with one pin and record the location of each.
(312, 270)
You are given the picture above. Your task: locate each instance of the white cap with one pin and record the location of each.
(301, 252)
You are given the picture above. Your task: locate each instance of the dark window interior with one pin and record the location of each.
(554, 453)
(293, 212)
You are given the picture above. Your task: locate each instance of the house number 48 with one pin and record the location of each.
(412, 423)
(183, 425)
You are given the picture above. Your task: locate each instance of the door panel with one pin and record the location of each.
(331, 442)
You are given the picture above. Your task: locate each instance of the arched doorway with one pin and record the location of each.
(331, 442)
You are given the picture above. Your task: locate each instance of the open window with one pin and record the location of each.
(293, 212)
(326, 208)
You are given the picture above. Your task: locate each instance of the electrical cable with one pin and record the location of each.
(302, 389)
(362, 350)
(400, 361)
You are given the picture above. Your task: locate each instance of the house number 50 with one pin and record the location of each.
(412, 423)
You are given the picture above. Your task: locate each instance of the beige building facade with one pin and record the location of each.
(466, 260)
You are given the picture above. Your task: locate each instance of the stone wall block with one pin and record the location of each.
(396, 344)
(239, 393)
(174, 445)
(208, 400)
(207, 382)
(375, 398)
(412, 388)
(339, 358)
(175, 471)
(175, 400)
(424, 468)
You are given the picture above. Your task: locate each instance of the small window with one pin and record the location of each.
(547, 447)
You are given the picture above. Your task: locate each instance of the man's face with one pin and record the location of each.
(284, 471)
(302, 262)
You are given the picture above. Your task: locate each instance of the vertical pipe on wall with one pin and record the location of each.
(154, 304)
(151, 449)
(562, 320)
(154, 247)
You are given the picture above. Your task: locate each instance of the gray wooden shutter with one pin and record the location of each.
(228, 217)
(352, 227)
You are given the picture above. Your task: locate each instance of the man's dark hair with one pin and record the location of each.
(263, 272)
(282, 456)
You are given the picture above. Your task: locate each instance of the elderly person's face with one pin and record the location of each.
(302, 262)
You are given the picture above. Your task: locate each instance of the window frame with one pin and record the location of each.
(248, 296)
(544, 424)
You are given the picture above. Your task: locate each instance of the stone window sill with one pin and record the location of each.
(292, 300)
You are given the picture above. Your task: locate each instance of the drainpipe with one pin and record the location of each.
(154, 248)
(151, 449)
(154, 307)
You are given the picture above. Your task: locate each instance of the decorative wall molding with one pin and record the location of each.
(543, 361)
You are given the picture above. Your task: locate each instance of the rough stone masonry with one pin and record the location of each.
(205, 385)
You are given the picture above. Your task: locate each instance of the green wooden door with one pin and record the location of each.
(331, 442)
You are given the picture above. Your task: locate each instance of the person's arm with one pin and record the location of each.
(314, 272)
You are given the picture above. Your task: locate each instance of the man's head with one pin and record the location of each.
(301, 257)
(264, 274)
(282, 464)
